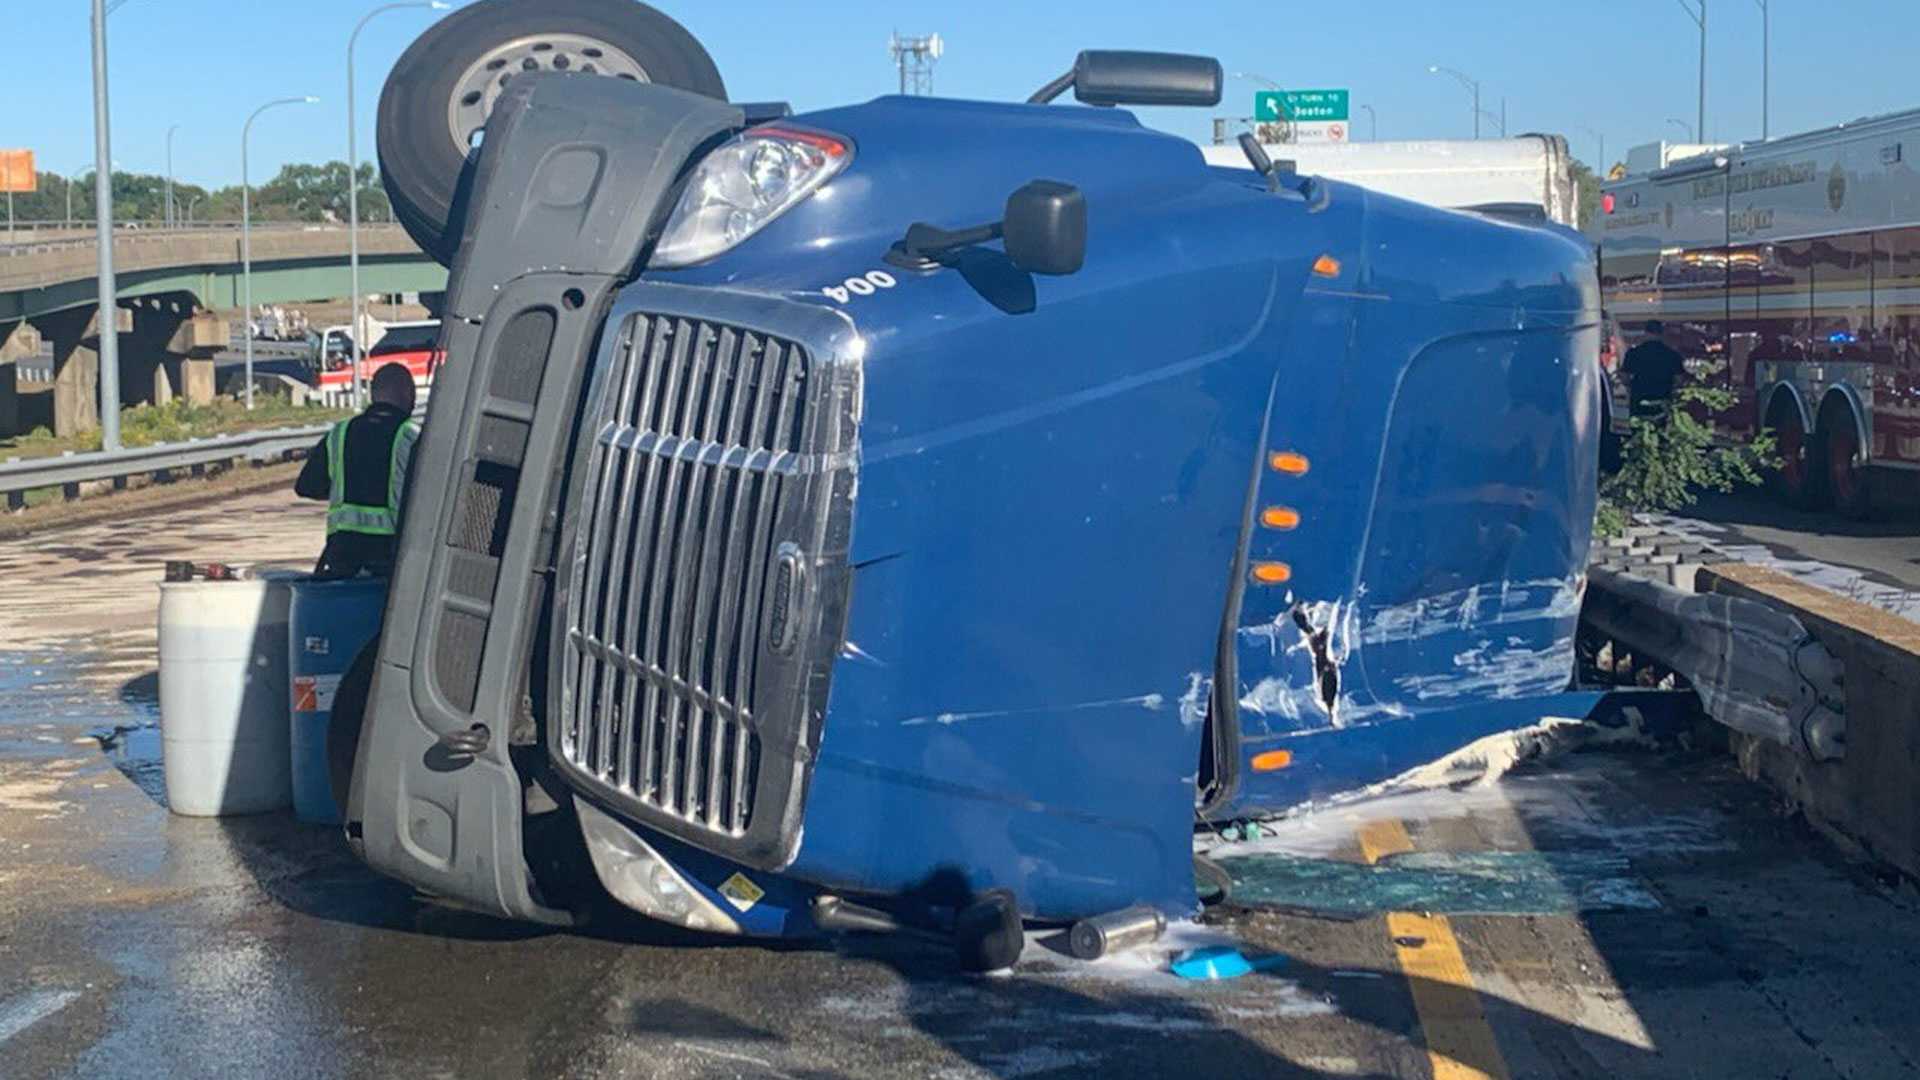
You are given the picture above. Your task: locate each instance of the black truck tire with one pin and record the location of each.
(442, 88)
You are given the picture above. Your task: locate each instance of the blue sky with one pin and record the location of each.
(1619, 66)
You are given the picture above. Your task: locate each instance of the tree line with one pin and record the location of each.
(313, 193)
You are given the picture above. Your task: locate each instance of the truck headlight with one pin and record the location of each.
(638, 877)
(742, 186)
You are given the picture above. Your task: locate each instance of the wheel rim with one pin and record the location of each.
(480, 85)
(1842, 447)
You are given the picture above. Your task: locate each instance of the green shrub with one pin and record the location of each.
(1668, 458)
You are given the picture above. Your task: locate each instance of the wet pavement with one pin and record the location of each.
(1876, 562)
(1727, 941)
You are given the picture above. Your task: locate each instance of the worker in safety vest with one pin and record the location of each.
(360, 469)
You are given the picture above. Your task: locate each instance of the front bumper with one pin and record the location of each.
(576, 176)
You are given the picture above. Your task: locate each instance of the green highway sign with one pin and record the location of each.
(1301, 106)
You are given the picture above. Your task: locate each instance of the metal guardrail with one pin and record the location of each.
(25, 243)
(1756, 669)
(69, 470)
(21, 475)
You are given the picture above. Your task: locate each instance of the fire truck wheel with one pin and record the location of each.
(440, 92)
(343, 727)
(1792, 480)
(1842, 470)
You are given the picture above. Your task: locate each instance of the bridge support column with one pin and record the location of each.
(18, 341)
(75, 335)
(170, 352)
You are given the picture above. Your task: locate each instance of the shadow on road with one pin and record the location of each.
(1758, 508)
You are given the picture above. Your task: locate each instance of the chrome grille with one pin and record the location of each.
(698, 463)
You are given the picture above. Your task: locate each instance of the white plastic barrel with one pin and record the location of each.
(223, 695)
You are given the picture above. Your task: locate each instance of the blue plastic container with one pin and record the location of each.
(328, 622)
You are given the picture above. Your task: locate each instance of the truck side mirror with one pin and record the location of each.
(1046, 228)
(1115, 77)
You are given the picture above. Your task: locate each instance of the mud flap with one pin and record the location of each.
(574, 183)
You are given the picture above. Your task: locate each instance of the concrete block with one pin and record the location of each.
(1683, 575)
(145, 379)
(18, 341)
(1871, 797)
(194, 381)
(76, 391)
(199, 333)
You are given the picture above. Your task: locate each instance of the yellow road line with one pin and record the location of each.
(1379, 839)
(1460, 1045)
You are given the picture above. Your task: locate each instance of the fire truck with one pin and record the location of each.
(1791, 268)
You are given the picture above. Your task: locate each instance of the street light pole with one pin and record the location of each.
(73, 182)
(1686, 127)
(169, 213)
(1284, 122)
(1373, 124)
(109, 346)
(1766, 59)
(1700, 19)
(246, 230)
(1472, 85)
(356, 335)
(1600, 164)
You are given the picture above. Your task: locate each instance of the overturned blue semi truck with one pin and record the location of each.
(921, 514)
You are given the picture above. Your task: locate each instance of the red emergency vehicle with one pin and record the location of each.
(415, 344)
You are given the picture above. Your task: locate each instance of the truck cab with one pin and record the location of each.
(822, 525)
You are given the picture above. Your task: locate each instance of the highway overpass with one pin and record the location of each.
(167, 279)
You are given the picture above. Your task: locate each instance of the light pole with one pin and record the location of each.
(1699, 18)
(109, 346)
(1279, 109)
(73, 182)
(191, 203)
(169, 213)
(356, 335)
(1600, 164)
(1766, 56)
(1472, 84)
(246, 229)
(1373, 124)
(1686, 127)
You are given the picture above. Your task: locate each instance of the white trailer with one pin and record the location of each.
(1531, 170)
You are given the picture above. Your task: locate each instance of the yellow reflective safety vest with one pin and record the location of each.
(382, 520)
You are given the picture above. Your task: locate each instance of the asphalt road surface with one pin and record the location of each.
(1876, 562)
(1719, 938)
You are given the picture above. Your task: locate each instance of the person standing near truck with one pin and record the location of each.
(360, 469)
(1653, 369)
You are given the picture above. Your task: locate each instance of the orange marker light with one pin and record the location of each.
(1326, 266)
(1280, 517)
(1271, 760)
(1287, 461)
(1272, 573)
